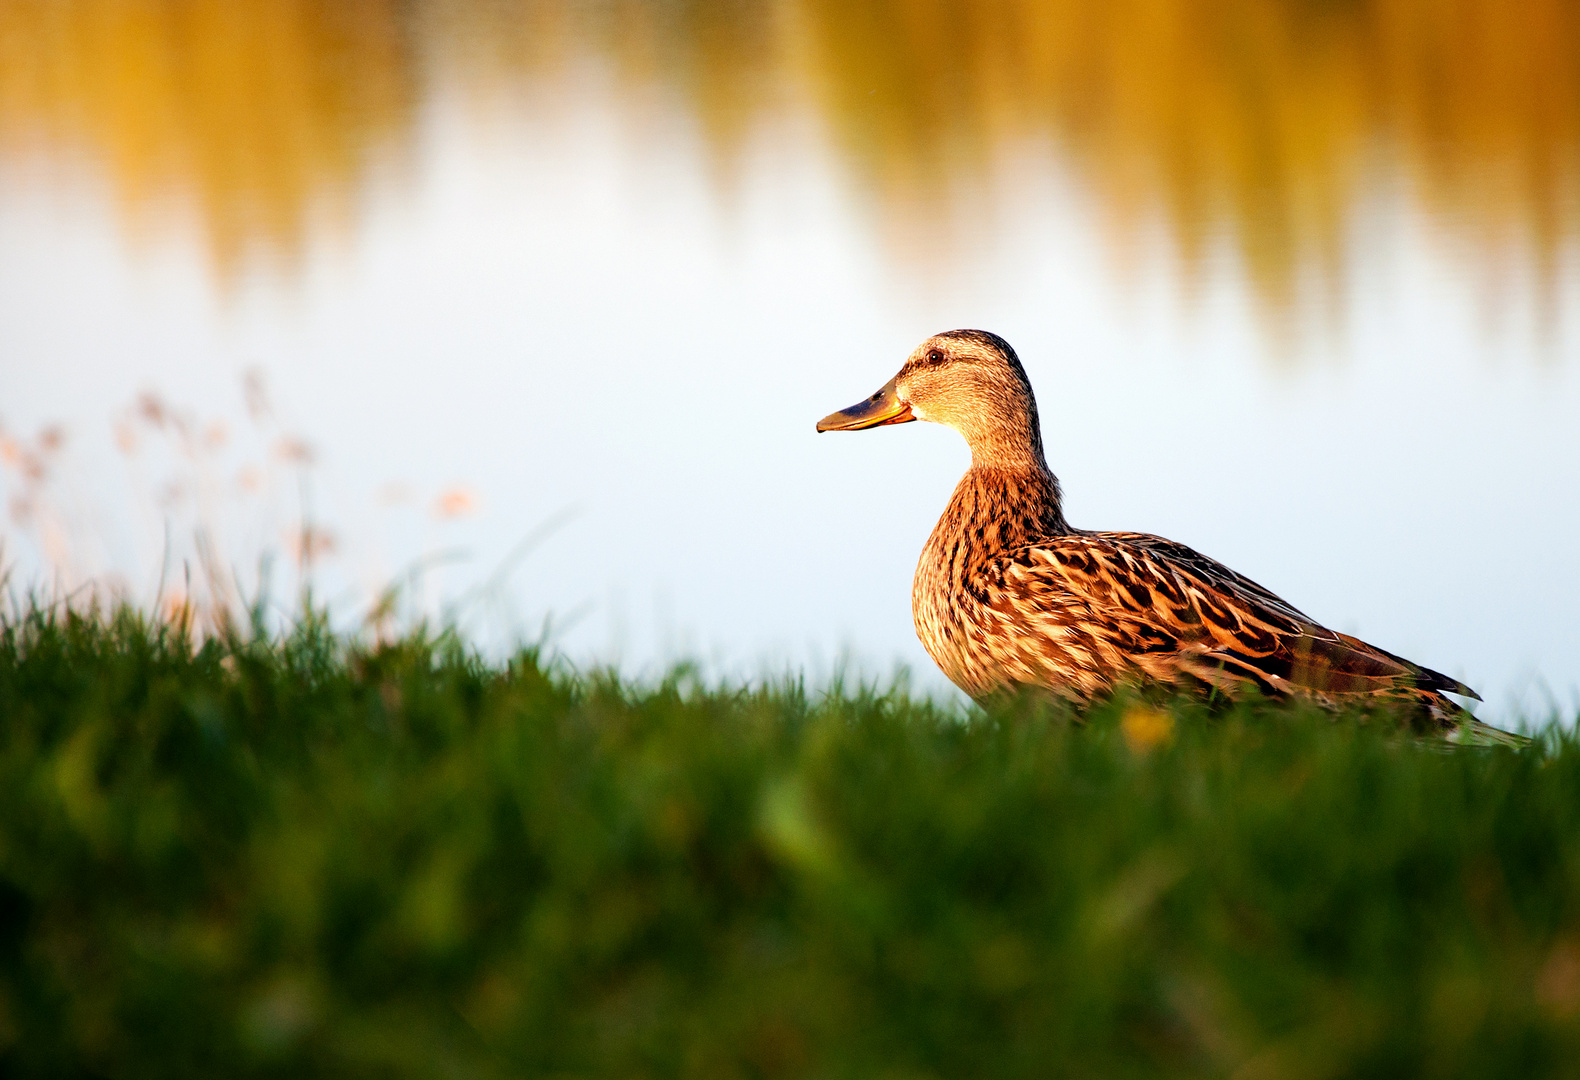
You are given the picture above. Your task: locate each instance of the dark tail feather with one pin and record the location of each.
(1427, 679)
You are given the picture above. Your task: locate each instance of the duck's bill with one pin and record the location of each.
(884, 407)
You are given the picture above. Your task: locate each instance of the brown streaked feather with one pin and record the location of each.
(1257, 627)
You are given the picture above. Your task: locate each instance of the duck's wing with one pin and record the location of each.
(1168, 612)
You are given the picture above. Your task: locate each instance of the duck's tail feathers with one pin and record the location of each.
(1463, 729)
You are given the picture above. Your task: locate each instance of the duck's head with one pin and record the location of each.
(969, 380)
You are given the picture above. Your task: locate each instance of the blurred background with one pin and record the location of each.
(519, 313)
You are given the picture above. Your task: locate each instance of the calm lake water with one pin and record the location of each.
(531, 307)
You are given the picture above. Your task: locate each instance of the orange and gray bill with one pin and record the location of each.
(884, 407)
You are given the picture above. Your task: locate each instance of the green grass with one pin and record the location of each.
(308, 858)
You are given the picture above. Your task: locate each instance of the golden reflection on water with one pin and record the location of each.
(1264, 113)
(262, 115)
(1266, 119)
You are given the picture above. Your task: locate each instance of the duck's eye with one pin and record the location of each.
(935, 357)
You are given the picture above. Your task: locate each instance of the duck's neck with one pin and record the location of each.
(1009, 496)
(998, 506)
(1006, 438)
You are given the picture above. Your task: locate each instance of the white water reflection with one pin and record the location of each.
(553, 321)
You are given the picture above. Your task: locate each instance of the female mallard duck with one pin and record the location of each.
(1007, 595)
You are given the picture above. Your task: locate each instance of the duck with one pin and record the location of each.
(1008, 597)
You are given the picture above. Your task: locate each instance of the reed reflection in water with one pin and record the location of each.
(260, 118)
(1267, 119)
(616, 257)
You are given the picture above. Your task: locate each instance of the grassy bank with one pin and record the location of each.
(309, 859)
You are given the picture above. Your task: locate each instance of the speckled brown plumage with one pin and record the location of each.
(1008, 596)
